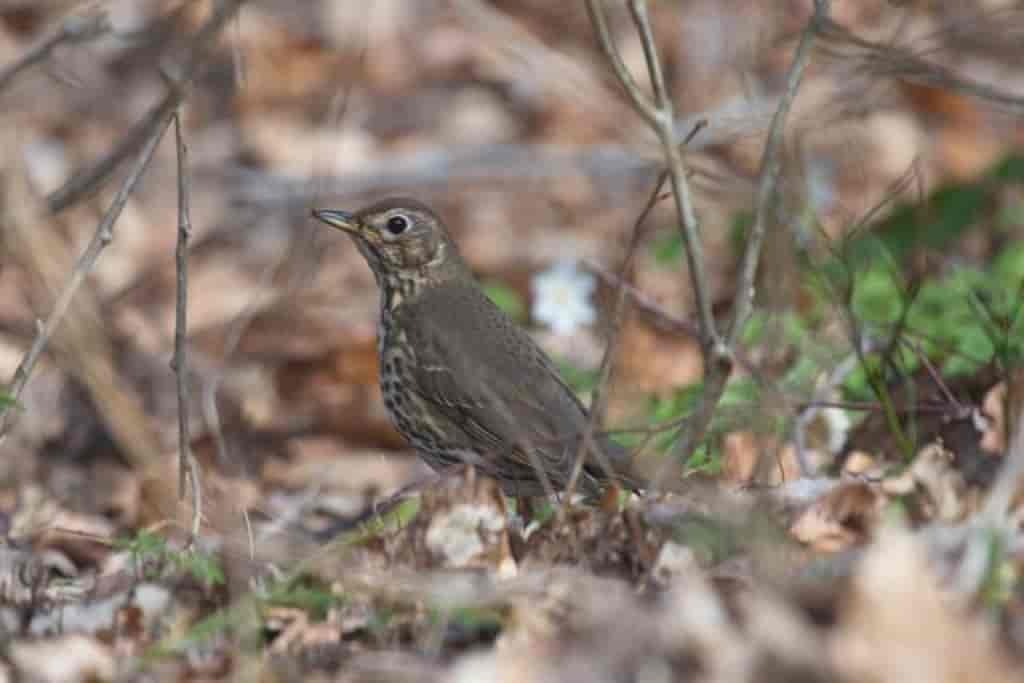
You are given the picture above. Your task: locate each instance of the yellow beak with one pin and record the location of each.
(342, 220)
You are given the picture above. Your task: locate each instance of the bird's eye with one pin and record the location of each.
(397, 224)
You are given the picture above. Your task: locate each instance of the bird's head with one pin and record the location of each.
(402, 240)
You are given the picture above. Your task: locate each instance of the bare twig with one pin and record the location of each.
(75, 28)
(101, 238)
(597, 405)
(768, 177)
(86, 181)
(664, 127)
(888, 61)
(598, 401)
(662, 317)
(717, 374)
(688, 226)
(643, 106)
(180, 361)
(188, 468)
(717, 352)
(936, 378)
(659, 115)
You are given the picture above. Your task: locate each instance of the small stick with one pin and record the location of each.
(597, 404)
(188, 468)
(86, 181)
(718, 365)
(76, 28)
(86, 262)
(180, 361)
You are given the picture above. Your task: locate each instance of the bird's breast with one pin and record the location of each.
(411, 416)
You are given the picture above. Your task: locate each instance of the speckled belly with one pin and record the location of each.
(414, 418)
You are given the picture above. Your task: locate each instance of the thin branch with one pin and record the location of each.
(643, 106)
(76, 28)
(661, 118)
(717, 372)
(663, 124)
(718, 353)
(768, 178)
(688, 225)
(936, 378)
(187, 466)
(599, 399)
(101, 238)
(86, 181)
(889, 61)
(180, 361)
(638, 10)
(662, 317)
(597, 405)
(767, 194)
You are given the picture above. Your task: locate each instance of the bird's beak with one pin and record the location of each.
(336, 218)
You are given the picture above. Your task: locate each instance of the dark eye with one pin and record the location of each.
(397, 225)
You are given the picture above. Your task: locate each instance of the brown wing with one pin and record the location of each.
(490, 379)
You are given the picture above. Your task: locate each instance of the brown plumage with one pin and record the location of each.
(461, 381)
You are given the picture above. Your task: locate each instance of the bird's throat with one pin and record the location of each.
(396, 289)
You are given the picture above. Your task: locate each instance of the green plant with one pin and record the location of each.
(303, 592)
(151, 553)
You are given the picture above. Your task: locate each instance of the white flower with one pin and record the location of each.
(561, 297)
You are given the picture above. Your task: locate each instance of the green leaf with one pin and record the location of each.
(143, 545)
(1008, 266)
(667, 248)
(305, 593)
(877, 296)
(754, 328)
(1010, 169)
(203, 566)
(739, 392)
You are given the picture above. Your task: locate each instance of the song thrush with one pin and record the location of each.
(461, 381)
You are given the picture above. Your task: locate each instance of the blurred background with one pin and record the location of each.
(504, 116)
(876, 383)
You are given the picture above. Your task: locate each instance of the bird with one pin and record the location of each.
(461, 381)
